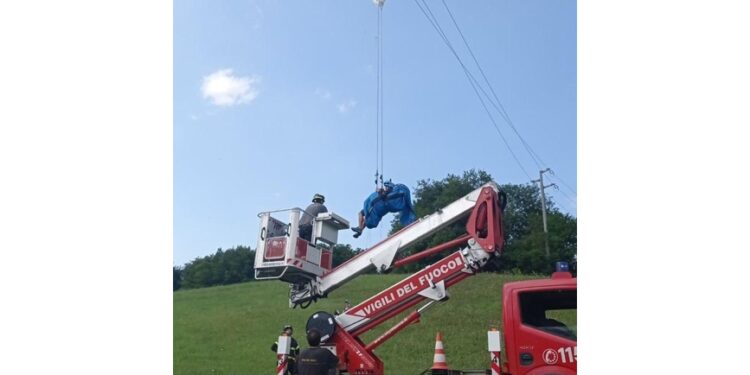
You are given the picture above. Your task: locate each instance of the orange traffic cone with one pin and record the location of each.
(439, 362)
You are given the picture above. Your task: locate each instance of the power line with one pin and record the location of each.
(563, 182)
(501, 108)
(496, 103)
(435, 24)
(570, 200)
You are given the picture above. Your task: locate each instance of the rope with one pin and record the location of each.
(380, 75)
(377, 111)
(379, 138)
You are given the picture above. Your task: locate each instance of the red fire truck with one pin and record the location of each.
(539, 322)
(534, 340)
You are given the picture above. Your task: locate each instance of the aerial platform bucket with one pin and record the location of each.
(283, 253)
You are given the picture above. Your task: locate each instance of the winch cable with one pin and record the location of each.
(380, 90)
(379, 138)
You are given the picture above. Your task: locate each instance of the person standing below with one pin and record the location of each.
(390, 198)
(293, 349)
(316, 360)
(311, 212)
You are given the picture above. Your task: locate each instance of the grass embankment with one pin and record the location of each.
(229, 329)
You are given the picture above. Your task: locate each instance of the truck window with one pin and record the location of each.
(551, 311)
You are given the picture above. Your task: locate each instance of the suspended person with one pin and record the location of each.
(311, 212)
(391, 197)
(293, 350)
(316, 360)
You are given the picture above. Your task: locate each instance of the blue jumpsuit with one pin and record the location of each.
(398, 200)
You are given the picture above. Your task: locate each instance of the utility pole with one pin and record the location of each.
(544, 208)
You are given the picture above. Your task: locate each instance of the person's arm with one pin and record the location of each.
(333, 360)
(295, 347)
(274, 347)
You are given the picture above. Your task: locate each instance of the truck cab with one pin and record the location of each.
(539, 317)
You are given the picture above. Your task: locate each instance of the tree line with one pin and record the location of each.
(523, 252)
(231, 266)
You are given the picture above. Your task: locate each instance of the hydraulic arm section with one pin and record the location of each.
(484, 228)
(483, 240)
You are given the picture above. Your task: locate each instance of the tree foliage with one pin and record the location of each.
(522, 224)
(232, 266)
(342, 253)
(176, 277)
(224, 267)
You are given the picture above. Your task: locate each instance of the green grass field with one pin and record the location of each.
(229, 329)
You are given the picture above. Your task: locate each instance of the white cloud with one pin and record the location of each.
(223, 88)
(347, 106)
(325, 94)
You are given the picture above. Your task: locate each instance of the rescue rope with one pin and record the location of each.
(379, 154)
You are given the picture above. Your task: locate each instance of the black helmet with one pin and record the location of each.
(318, 197)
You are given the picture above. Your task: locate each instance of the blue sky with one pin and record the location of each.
(276, 101)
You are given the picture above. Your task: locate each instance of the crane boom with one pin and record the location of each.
(282, 254)
(381, 255)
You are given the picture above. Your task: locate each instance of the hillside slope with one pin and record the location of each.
(229, 329)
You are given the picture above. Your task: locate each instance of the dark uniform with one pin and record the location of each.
(291, 367)
(317, 361)
(311, 212)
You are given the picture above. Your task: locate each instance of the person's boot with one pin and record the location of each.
(357, 232)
